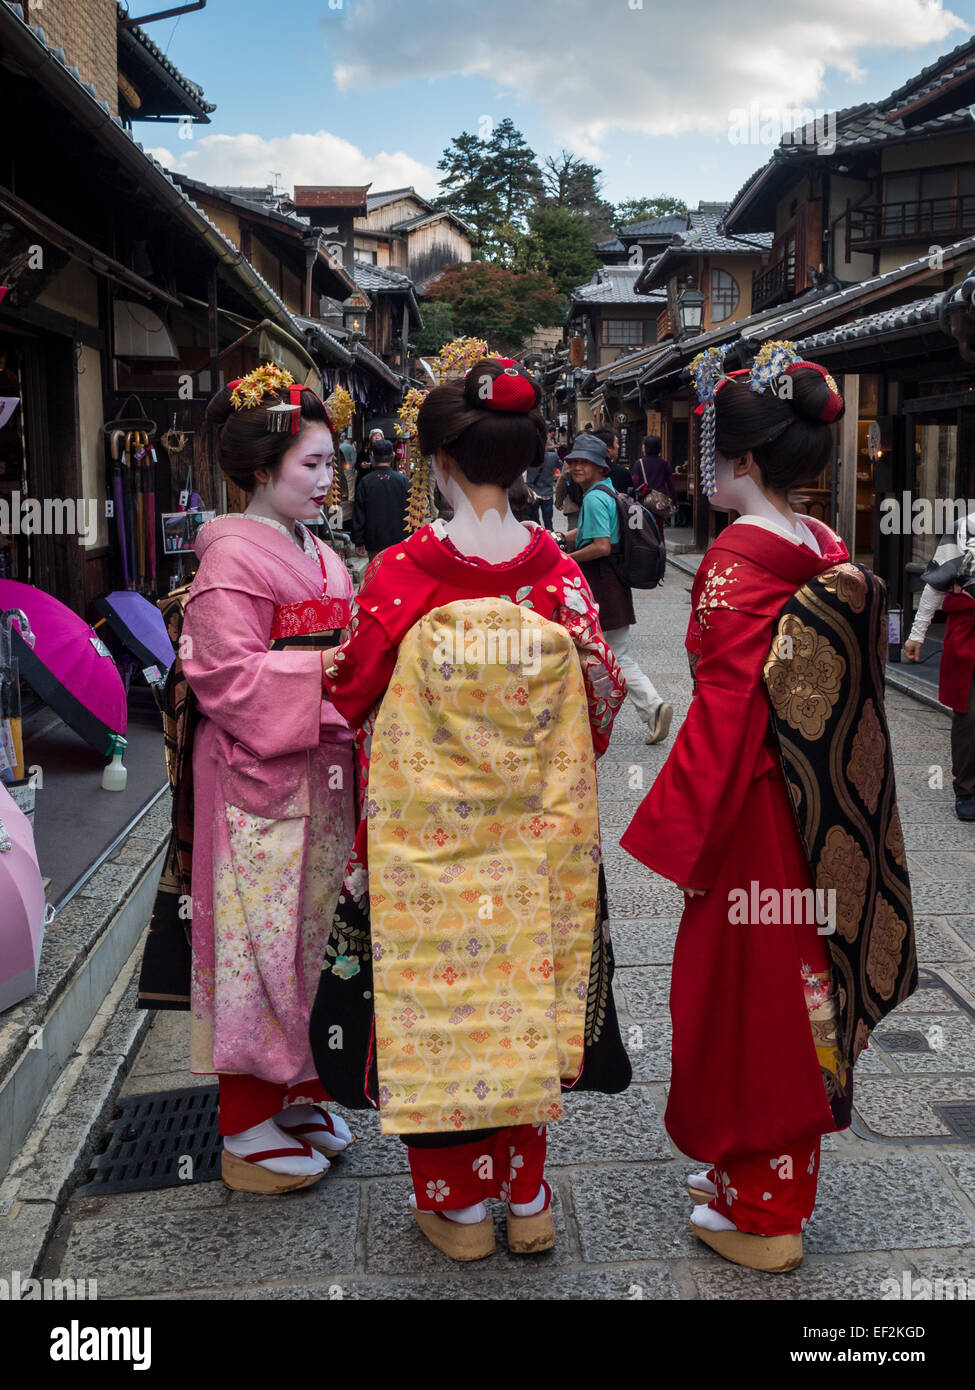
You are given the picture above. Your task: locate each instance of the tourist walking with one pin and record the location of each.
(379, 508)
(592, 543)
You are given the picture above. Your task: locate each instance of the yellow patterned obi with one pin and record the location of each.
(483, 848)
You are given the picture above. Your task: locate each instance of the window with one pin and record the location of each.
(724, 295)
(926, 201)
(623, 332)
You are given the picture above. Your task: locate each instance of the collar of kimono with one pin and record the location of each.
(793, 563)
(436, 559)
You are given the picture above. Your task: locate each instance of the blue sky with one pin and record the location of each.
(358, 91)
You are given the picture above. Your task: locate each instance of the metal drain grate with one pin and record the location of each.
(168, 1139)
(902, 1042)
(960, 1118)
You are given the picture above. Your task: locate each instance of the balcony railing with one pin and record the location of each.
(908, 221)
(772, 285)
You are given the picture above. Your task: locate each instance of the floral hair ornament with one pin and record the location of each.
(776, 360)
(271, 380)
(707, 374)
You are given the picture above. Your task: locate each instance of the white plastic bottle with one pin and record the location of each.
(115, 775)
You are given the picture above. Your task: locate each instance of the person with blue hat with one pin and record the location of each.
(595, 538)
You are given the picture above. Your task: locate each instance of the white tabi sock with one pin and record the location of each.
(341, 1136)
(701, 1181)
(267, 1136)
(464, 1216)
(711, 1220)
(529, 1208)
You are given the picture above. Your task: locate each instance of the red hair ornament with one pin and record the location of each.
(511, 391)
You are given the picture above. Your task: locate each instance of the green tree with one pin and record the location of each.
(646, 209)
(574, 184)
(467, 186)
(492, 302)
(560, 241)
(438, 329)
(516, 183)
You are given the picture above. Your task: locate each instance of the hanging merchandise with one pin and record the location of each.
(8, 404)
(133, 478)
(116, 442)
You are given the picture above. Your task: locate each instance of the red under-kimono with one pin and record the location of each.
(404, 583)
(746, 1090)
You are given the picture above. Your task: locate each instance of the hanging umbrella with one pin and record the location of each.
(139, 626)
(151, 517)
(69, 667)
(22, 895)
(117, 438)
(128, 487)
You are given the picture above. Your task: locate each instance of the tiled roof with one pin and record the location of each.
(606, 247)
(947, 66)
(392, 195)
(614, 284)
(337, 350)
(705, 236)
(410, 222)
(668, 225)
(786, 320)
(902, 316)
(192, 89)
(370, 277)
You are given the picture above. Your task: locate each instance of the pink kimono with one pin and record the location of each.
(273, 793)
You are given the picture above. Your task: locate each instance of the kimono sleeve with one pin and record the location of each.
(361, 669)
(684, 827)
(271, 702)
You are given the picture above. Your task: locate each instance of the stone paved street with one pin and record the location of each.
(897, 1197)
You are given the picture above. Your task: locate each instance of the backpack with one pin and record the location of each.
(642, 558)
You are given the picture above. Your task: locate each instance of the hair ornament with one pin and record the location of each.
(251, 389)
(772, 361)
(512, 390)
(707, 374)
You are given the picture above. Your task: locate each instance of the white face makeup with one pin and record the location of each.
(297, 490)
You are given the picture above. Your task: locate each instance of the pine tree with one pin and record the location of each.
(574, 184)
(467, 175)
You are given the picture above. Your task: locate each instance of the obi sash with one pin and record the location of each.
(483, 842)
(958, 656)
(311, 622)
(825, 681)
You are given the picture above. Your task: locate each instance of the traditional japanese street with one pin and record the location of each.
(897, 1203)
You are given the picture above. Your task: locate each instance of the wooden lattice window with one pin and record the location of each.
(724, 295)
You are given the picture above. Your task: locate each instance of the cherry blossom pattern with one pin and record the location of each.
(713, 594)
(438, 1190)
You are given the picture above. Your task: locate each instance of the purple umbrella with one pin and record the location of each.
(139, 626)
(22, 895)
(70, 667)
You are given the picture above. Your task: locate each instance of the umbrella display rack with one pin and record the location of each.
(133, 495)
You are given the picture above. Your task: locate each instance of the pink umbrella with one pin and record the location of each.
(70, 667)
(22, 896)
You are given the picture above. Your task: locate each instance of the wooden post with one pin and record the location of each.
(846, 492)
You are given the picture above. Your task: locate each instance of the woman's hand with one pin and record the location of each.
(912, 650)
(694, 892)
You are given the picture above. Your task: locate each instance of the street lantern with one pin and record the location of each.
(690, 306)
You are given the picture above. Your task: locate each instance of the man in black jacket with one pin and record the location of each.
(379, 507)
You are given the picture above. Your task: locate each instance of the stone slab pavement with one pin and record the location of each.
(897, 1195)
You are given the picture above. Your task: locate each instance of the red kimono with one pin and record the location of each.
(745, 1078)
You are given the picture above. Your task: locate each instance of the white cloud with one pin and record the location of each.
(635, 65)
(313, 158)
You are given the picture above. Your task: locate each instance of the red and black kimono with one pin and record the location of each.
(755, 1083)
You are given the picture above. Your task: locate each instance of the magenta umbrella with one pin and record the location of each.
(22, 896)
(69, 667)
